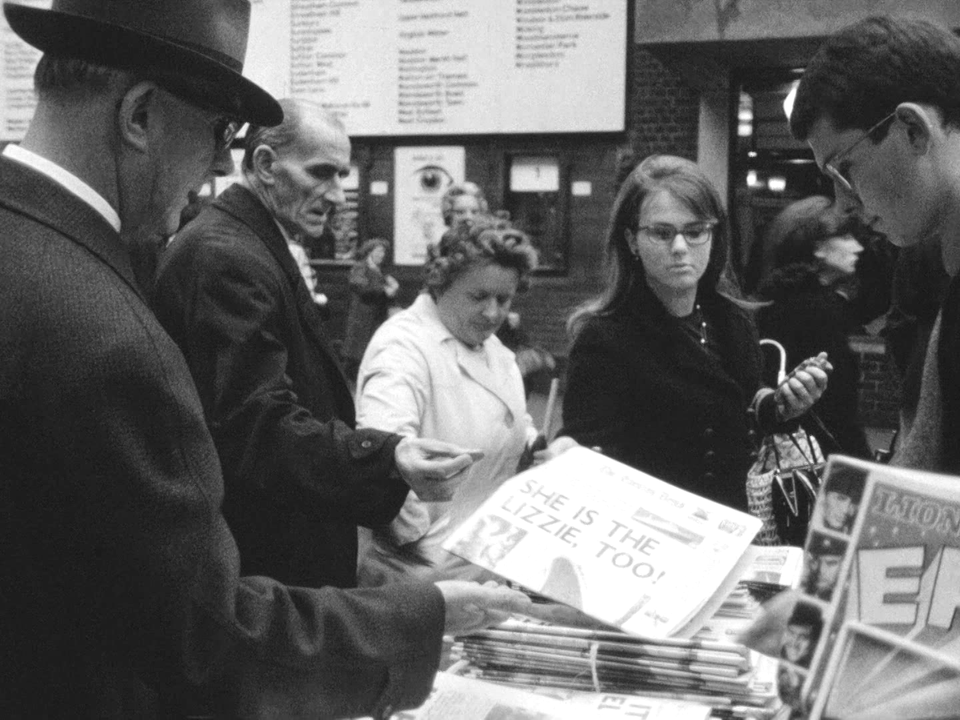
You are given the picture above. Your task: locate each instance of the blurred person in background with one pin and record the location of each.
(808, 313)
(462, 203)
(371, 293)
(665, 363)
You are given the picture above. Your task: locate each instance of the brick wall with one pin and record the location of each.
(664, 110)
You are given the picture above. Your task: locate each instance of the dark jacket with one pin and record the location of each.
(118, 574)
(648, 395)
(808, 318)
(368, 308)
(299, 478)
(948, 363)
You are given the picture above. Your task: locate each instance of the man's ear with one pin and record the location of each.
(921, 123)
(264, 161)
(135, 113)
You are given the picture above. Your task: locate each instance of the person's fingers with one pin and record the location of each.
(766, 632)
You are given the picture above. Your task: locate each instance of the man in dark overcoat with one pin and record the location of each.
(299, 478)
(119, 577)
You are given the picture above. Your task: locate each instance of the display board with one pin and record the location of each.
(417, 67)
(434, 67)
(17, 62)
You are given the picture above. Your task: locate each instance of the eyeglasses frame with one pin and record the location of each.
(830, 168)
(710, 225)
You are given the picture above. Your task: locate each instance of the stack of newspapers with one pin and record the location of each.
(662, 582)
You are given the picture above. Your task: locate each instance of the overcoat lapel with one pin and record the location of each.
(492, 379)
(247, 208)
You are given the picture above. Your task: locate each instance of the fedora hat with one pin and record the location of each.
(193, 48)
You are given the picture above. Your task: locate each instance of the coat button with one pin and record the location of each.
(708, 433)
(709, 477)
(366, 444)
(709, 456)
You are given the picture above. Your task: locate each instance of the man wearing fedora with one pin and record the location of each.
(119, 577)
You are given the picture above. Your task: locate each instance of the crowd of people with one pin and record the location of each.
(186, 467)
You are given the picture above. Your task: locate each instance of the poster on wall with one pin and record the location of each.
(405, 67)
(17, 63)
(421, 176)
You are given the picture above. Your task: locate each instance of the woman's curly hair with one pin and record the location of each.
(488, 240)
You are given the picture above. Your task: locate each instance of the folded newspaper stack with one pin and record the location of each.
(711, 670)
(466, 699)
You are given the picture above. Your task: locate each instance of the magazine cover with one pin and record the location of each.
(883, 552)
(876, 675)
(615, 543)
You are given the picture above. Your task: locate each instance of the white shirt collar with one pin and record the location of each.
(67, 179)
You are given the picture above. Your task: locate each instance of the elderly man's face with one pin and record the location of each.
(308, 179)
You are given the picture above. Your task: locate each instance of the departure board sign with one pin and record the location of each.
(417, 67)
(434, 67)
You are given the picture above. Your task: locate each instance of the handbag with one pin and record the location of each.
(784, 479)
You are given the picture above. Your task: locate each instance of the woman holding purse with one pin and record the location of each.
(665, 369)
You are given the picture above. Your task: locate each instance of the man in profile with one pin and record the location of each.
(120, 579)
(299, 477)
(879, 105)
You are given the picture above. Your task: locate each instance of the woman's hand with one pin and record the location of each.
(803, 387)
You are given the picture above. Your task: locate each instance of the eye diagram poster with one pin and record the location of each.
(425, 67)
(421, 176)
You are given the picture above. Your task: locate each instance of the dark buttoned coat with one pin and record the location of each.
(299, 479)
(649, 395)
(118, 574)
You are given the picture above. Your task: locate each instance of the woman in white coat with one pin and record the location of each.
(437, 370)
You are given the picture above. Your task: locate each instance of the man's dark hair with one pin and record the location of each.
(55, 73)
(864, 71)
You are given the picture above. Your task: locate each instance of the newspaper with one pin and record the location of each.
(615, 543)
(467, 699)
(875, 626)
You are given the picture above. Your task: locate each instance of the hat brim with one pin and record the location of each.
(183, 70)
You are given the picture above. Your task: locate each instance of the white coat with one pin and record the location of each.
(417, 379)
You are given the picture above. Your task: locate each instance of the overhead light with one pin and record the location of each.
(777, 183)
(790, 98)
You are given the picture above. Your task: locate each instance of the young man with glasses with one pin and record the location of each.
(119, 584)
(879, 105)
